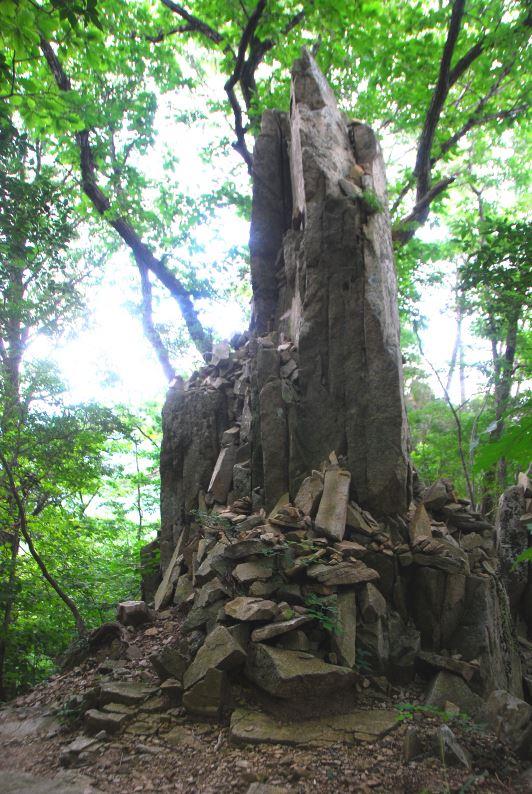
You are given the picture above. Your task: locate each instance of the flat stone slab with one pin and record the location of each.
(110, 721)
(276, 629)
(255, 727)
(126, 692)
(21, 783)
(251, 609)
(20, 724)
(295, 674)
(347, 572)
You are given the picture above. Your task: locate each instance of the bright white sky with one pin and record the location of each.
(110, 361)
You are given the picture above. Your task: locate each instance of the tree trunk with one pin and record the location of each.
(9, 603)
(24, 529)
(503, 367)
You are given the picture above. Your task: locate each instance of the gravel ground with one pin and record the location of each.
(167, 751)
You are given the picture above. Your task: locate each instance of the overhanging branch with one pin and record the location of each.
(150, 330)
(143, 255)
(407, 226)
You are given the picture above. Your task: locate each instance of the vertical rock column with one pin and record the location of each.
(331, 288)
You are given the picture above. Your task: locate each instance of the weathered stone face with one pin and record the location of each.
(306, 555)
(323, 277)
(192, 427)
(336, 294)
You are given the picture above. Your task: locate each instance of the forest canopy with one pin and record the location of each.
(95, 101)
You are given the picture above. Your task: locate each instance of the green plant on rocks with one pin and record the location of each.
(324, 610)
(371, 202)
(212, 521)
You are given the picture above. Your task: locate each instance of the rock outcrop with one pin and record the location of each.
(323, 276)
(290, 541)
(321, 369)
(514, 536)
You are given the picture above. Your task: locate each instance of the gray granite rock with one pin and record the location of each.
(251, 609)
(295, 674)
(220, 651)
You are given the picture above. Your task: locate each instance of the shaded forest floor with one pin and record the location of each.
(162, 749)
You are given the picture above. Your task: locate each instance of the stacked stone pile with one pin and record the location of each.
(290, 537)
(315, 594)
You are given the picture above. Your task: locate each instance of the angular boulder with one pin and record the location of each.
(251, 609)
(220, 651)
(295, 674)
(447, 687)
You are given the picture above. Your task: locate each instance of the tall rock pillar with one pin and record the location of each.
(323, 275)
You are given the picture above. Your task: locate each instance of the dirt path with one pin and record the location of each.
(161, 749)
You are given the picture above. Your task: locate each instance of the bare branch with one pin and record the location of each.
(476, 119)
(459, 431)
(195, 23)
(144, 257)
(406, 227)
(234, 79)
(149, 328)
(165, 34)
(243, 73)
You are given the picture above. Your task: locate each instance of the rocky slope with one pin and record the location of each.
(145, 742)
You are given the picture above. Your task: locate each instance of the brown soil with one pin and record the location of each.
(201, 757)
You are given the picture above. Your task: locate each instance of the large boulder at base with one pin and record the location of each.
(208, 696)
(295, 674)
(220, 651)
(470, 616)
(449, 688)
(511, 719)
(369, 725)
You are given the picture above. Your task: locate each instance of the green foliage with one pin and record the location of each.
(515, 442)
(408, 710)
(496, 277)
(66, 474)
(371, 202)
(324, 610)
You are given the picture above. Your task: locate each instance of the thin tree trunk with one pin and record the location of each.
(461, 368)
(8, 611)
(139, 493)
(459, 432)
(65, 598)
(503, 367)
(458, 349)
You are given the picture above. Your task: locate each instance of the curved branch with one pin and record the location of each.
(149, 327)
(243, 73)
(235, 77)
(195, 23)
(144, 257)
(78, 620)
(407, 226)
